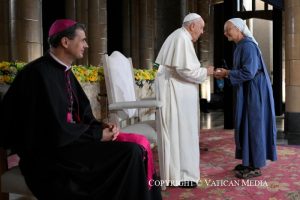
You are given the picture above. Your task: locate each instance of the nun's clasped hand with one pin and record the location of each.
(221, 73)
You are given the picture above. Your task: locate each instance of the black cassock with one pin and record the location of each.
(60, 159)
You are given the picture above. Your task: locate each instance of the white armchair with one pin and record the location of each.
(123, 103)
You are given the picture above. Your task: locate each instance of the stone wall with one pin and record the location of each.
(97, 95)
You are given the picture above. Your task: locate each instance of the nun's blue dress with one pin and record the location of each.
(255, 124)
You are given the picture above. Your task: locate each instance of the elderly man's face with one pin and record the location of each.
(197, 29)
(231, 32)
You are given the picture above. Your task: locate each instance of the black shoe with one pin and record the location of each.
(188, 184)
(240, 167)
(248, 173)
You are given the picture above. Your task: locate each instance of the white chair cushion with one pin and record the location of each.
(142, 129)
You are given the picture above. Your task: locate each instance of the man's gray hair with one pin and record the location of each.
(188, 23)
(190, 19)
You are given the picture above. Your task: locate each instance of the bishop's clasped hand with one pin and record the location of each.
(110, 132)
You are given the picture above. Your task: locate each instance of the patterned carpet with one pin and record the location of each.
(280, 180)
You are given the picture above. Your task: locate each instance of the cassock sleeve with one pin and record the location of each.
(197, 75)
(250, 63)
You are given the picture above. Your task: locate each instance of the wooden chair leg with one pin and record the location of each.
(3, 168)
(4, 196)
(203, 149)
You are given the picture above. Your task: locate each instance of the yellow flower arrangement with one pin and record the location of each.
(9, 70)
(88, 73)
(91, 74)
(144, 75)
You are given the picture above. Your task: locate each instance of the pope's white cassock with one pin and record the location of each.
(177, 88)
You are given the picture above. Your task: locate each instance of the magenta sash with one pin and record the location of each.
(142, 141)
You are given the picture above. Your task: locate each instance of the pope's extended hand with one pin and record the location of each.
(210, 70)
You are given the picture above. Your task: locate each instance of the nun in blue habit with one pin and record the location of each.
(255, 123)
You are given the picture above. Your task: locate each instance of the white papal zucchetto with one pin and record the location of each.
(190, 17)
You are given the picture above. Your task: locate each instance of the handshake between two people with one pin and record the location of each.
(218, 73)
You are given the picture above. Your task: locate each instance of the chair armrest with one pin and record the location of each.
(135, 104)
(148, 98)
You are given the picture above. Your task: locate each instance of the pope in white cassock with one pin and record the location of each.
(177, 88)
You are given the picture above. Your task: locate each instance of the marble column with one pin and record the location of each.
(70, 9)
(292, 59)
(168, 17)
(4, 31)
(135, 33)
(25, 29)
(146, 47)
(204, 44)
(97, 31)
(81, 14)
(126, 22)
